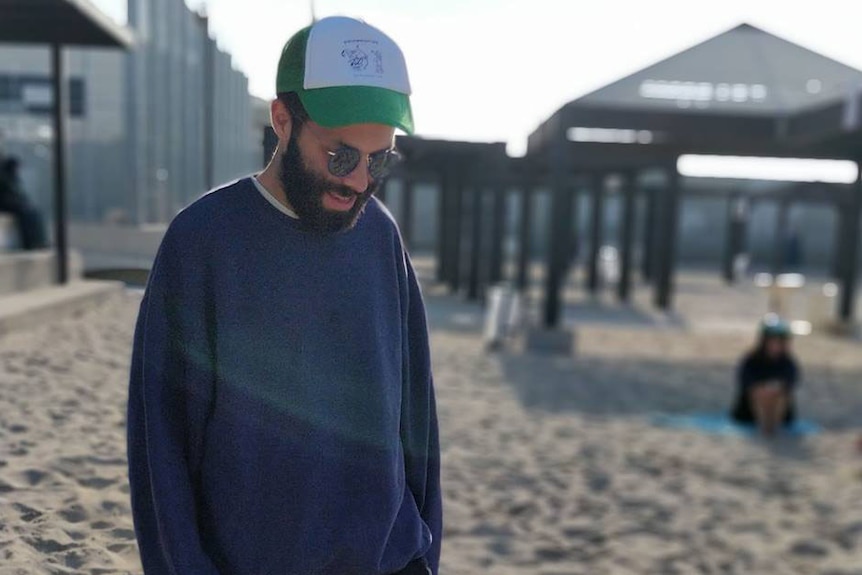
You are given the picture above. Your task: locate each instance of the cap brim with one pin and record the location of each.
(348, 105)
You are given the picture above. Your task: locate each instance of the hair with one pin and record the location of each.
(294, 106)
(759, 350)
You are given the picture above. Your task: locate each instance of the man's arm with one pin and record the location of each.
(419, 423)
(170, 395)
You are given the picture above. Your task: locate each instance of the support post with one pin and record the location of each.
(629, 184)
(408, 190)
(458, 234)
(650, 223)
(597, 219)
(524, 243)
(737, 219)
(850, 254)
(780, 240)
(559, 250)
(498, 234)
(667, 245)
(473, 279)
(839, 240)
(443, 186)
(59, 112)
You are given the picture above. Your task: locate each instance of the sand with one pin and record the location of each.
(64, 503)
(550, 465)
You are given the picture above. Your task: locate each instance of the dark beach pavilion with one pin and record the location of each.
(742, 93)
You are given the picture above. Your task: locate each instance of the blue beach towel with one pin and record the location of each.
(722, 424)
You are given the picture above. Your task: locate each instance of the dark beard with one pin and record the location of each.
(305, 189)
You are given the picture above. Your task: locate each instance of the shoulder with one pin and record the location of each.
(380, 220)
(210, 212)
(377, 211)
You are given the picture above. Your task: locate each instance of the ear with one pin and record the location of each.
(281, 120)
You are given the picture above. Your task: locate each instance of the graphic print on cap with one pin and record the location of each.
(346, 52)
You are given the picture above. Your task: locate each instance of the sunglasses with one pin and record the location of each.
(346, 158)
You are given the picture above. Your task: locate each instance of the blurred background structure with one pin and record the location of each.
(614, 178)
(651, 177)
(149, 129)
(639, 141)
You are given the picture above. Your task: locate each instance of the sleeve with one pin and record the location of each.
(745, 374)
(170, 392)
(419, 422)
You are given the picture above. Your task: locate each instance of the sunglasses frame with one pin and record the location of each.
(341, 166)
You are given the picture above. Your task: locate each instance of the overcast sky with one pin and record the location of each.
(492, 70)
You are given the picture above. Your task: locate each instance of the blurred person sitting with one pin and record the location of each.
(767, 377)
(15, 202)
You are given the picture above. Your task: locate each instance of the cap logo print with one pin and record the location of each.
(363, 58)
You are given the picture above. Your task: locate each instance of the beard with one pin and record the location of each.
(305, 190)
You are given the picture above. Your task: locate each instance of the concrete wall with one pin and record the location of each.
(138, 149)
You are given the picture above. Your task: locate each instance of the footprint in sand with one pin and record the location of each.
(121, 548)
(33, 477)
(96, 482)
(73, 560)
(28, 514)
(48, 545)
(98, 525)
(123, 534)
(77, 535)
(5, 487)
(115, 508)
(74, 514)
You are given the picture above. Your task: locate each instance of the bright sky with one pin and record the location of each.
(492, 70)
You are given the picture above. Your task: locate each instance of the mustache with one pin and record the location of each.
(347, 193)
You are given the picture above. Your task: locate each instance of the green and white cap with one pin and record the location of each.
(347, 72)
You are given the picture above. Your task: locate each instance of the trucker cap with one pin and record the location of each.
(347, 72)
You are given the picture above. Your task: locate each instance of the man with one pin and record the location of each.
(281, 411)
(14, 201)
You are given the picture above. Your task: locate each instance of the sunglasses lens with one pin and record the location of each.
(343, 162)
(380, 163)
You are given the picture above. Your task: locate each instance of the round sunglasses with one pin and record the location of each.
(346, 158)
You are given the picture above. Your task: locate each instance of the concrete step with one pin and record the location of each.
(24, 271)
(9, 239)
(105, 246)
(37, 307)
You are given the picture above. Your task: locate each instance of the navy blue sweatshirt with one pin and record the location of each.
(281, 414)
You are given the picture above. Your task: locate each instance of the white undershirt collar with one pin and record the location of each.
(271, 199)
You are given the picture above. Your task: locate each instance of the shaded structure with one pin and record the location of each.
(742, 93)
(59, 23)
(472, 180)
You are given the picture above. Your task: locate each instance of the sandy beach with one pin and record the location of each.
(550, 465)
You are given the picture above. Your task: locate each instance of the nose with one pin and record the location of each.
(358, 180)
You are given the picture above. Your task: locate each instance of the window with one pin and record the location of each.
(34, 95)
(77, 100)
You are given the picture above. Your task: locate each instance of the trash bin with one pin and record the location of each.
(502, 315)
(609, 265)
